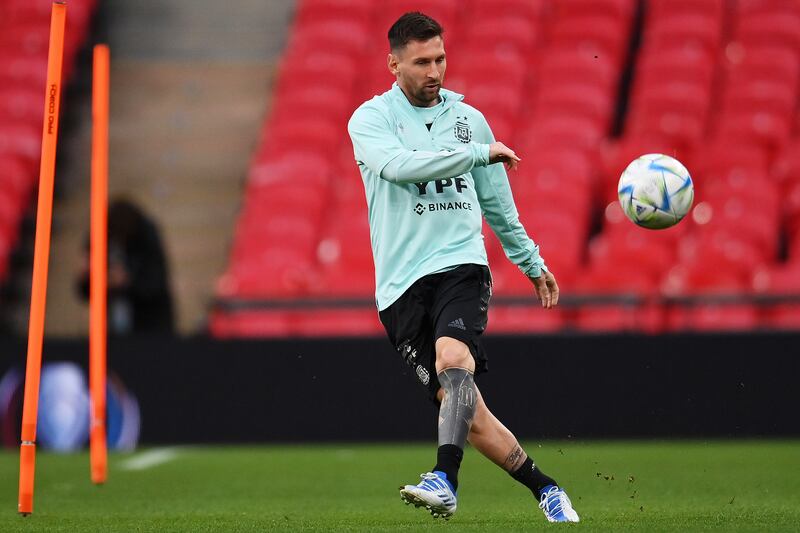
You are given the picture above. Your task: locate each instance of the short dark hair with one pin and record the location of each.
(413, 26)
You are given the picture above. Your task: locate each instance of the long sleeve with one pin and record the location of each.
(377, 146)
(499, 210)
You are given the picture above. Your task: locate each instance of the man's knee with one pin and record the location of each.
(452, 353)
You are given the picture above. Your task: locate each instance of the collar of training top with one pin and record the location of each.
(450, 98)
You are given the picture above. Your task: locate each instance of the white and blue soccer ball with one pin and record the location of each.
(655, 191)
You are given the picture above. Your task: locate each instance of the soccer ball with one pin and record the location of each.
(655, 191)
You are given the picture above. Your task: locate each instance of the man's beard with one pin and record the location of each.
(425, 96)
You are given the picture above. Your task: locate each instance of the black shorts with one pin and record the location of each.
(448, 304)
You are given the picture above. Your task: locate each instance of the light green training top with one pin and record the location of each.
(426, 191)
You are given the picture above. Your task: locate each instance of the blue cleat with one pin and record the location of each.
(556, 505)
(434, 493)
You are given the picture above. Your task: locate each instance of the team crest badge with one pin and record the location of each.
(423, 374)
(462, 131)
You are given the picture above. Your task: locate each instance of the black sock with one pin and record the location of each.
(448, 460)
(529, 475)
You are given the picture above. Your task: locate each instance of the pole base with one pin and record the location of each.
(27, 468)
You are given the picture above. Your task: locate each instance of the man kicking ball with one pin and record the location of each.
(429, 165)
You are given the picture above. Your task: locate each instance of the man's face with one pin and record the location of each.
(419, 68)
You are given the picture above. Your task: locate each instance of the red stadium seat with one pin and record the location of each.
(708, 280)
(543, 189)
(277, 272)
(712, 9)
(17, 176)
(575, 99)
(309, 322)
(311, 12)
(757, 229)
(345, 257)
(510, 320)
(685, 65)
(771, 29)
(510, 281)
(564, 132)
(754, 7)
(721, 160)
(317, 134)
(652, 251)
(721, 251)
(21, 139)
(348, 190)
(323, 101)
(336, 35)
(502, 101)
(786, 168)
(621, 10)
(300, 68)
(623, 280)
(255, 323)
(572, 65)
(512, 32)
(681, 128)
(599, 35)
(271, 167)
(529, 10)
(780, 282)
(791, 213)
(11, 206)
(339, 322)
(689, 97)
(746, 63)
(445, 12)
(485, 69)
(285, 231)
(761, 95)
(766, 129)
(722, 318)
(686, 32)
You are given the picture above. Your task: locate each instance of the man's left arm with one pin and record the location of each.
(497, 204)
(499, 210)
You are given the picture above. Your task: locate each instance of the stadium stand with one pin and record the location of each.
(24, 35)
(710, 82)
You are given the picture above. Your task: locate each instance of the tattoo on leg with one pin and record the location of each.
(514, 459)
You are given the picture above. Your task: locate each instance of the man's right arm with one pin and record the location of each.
(376, 146)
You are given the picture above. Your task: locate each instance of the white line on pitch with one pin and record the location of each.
(149, 459)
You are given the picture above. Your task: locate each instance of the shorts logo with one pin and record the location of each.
(419, 208)
(423, 375)
(462, 131)
(458, 323)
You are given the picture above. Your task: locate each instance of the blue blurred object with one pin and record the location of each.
(123, 422)
(63, 423)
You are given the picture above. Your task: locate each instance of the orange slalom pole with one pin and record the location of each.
(44, 216)
(98, 269)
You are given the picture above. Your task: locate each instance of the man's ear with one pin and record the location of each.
(392, 61)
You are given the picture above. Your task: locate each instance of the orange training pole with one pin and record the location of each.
(98, 452)
(44, 215)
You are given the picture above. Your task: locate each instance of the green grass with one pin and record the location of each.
(642, 486)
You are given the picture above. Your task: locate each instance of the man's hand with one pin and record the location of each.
(546, 289)
(500, 153)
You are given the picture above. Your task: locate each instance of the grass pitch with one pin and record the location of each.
(642, 486)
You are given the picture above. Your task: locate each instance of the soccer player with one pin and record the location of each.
(431, 167)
